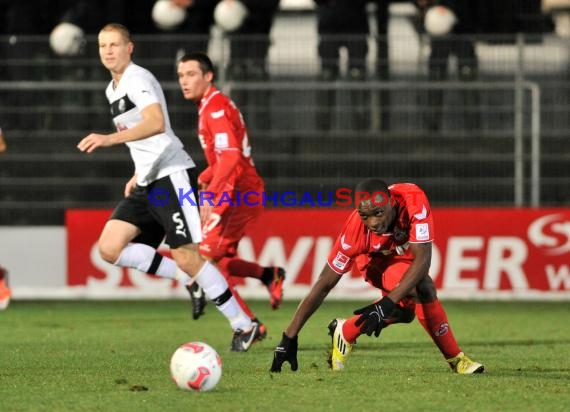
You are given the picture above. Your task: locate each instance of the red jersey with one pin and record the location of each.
(221, 130)
(414, 224)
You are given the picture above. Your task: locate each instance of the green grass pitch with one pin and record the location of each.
(114, 356)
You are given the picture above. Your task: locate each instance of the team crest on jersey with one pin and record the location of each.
(422, 231)
(122, 105)
(340, 261)
(221, 141)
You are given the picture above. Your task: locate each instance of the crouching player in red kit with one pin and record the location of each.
(230, 171)
(389, 237)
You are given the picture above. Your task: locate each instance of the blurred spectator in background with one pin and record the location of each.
(451, 25)
(342, 24)
(560, 13)
(248, 24)
(250, 41)
(382, 14)
(197, 22)
(91, 15)
(19, 20)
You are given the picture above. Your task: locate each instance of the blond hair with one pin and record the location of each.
(118, 27)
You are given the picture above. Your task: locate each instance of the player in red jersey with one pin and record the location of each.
(230, 172)
(389, 237)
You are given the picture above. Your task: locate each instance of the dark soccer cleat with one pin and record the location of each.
(198, 299)
(275, 288)
(243, 340)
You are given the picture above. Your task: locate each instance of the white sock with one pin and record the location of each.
(146, 259)
(216, 289)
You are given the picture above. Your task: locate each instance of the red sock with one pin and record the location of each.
(350, 331)
(240, 268)
(434, 320)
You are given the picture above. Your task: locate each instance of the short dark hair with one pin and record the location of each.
(367, 188)
(203, 60)
(372, 185)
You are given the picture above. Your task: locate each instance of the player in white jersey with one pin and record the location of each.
(159, 198)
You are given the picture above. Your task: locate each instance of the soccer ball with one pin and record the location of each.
(67, 39)
(196, 366)
(229, 15)
(167, 15)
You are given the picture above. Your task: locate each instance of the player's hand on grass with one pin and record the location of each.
(373, 316)
(286, 351)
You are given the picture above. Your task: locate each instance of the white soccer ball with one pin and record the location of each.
(167, 15)
(67, 39)
(230, 14)
(439, 20)
(196, 366)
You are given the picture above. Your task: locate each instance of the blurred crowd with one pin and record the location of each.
(341, 25)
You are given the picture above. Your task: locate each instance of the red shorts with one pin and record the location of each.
(385, 273)
(222, 240)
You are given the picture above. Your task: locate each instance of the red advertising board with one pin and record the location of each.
(478, 253)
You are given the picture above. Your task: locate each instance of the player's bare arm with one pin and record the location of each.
(415, 273)
(152, 124)
(325, 283)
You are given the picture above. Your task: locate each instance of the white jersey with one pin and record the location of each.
(156, 156)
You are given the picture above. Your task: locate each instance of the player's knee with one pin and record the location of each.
(109, 253)
(212, 254)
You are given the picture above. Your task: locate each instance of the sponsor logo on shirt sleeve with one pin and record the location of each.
(340, 261)
(422, 231)
(222, 140)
